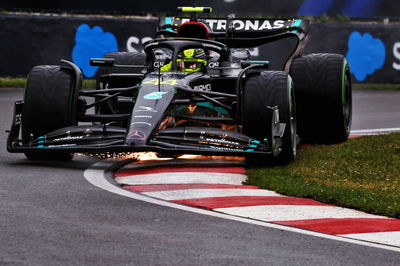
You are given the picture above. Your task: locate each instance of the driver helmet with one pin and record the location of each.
(191, 60)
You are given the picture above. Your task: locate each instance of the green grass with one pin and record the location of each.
(12, 82)
(20, 83)
(89, 83)
(362, 173)
(376, 87)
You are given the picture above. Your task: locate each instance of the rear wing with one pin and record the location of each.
(243, 32)
(236, 32)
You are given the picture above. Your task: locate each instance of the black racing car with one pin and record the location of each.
(195, 90)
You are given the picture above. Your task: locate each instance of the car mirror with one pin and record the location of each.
(263, 64)
(102, 62)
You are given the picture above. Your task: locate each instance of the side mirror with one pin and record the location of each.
(262, 64)
(102, 62)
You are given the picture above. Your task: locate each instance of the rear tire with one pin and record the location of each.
(121, 58)
(125, 58)
(270, 88)
(323, 93)
(50, 103)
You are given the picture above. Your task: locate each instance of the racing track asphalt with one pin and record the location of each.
(50, 215)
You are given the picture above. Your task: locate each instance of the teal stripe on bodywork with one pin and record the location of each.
(259, 62)
(206, 105)
(213, 107)
(41, 141)
(169, 21)
(296, 23)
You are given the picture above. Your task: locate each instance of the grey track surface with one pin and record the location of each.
(50, 215)
(376, 109)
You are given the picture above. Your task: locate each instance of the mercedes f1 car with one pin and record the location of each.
(194, 90)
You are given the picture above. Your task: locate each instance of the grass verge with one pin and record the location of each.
(12, 82)
(376, 87)
(20, 83)
(362, 173)
(90, 83)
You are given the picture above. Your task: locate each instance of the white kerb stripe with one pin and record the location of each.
(377, 130)
(97, 177)
(183, 178)
(291, 212)
(389, 238)
(209, 193)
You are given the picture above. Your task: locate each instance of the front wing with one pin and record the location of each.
(180, 140)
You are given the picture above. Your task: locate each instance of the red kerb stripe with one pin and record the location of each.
(336, 226)
(244, 201)
(158, 170)
(164, 187)
(353, 136)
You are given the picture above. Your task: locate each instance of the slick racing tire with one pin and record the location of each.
(270, 89)
(49, 105)
(125, 58)
(323, 97)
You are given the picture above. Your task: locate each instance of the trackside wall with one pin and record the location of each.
(372, 49)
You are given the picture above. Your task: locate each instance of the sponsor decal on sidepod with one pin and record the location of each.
(154, 95)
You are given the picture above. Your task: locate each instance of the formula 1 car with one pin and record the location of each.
(194, 90)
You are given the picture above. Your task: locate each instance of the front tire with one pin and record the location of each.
(270, 88)
(50, 104)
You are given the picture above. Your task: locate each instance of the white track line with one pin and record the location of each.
(389, 238)
(209, 193)
(97, 177)
(291, 212)
(183, 178)
(374, 131)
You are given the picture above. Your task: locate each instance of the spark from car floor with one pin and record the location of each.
(153, 156)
